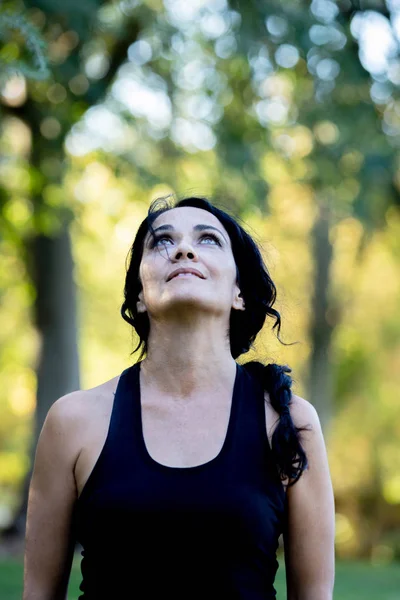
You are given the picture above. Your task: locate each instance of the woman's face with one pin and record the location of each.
(188, 238)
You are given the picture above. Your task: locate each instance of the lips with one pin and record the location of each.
(182, 270)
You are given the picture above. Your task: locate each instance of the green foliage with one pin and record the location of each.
(32, 66)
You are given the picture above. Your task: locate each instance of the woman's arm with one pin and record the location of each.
(309, 541)
(49, 542)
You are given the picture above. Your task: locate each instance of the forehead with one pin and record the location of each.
(186, 217)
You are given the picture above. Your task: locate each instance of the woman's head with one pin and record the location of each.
(189, 239)
(231, 276)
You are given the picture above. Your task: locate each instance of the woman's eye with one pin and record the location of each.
(209, 236)
(161, 237)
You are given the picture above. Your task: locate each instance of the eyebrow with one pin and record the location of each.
(199, 227)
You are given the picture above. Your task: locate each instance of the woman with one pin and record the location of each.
(179, 475)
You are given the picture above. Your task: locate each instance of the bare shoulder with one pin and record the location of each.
(303, 413)
(316, 477)
(68, 408)
(73, 415)
(75, 405)
(305, 417)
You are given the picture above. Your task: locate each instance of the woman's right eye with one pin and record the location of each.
(160, 237)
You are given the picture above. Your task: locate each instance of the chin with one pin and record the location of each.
(190, 301)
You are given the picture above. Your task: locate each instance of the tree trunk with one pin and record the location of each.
(320, 388)
(49, 257)
(55, 316)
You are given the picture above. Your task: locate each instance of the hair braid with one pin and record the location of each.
(290, 457)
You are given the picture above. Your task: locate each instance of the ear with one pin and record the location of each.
(140, 305)
(238, 302)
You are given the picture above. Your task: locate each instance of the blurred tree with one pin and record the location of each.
(33, 66)
(310, 90)
(49, 109)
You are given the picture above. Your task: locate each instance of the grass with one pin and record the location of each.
(354, 581)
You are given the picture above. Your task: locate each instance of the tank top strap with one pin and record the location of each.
(117, 449)
(123, 414)
(251, 440)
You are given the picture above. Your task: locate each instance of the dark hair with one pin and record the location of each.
(259, 294)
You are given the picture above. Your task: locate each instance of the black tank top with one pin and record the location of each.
(151, 531)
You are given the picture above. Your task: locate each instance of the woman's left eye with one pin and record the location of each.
(211, 236)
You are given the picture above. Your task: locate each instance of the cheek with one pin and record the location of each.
(151, 274)
(146, 269)
(224, 270)
(144, 273)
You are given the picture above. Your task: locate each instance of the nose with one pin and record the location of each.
(184, 249)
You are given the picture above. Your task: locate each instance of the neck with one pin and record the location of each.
(187, 359)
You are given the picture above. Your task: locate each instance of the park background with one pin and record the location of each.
(286, 114)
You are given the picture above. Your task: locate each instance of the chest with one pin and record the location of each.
(175, 435)
(185, 434)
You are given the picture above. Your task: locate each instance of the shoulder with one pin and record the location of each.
(305, 417)
(303, 413)
(68, 407)
(74, 404)
(317, 474)
(72, 413)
